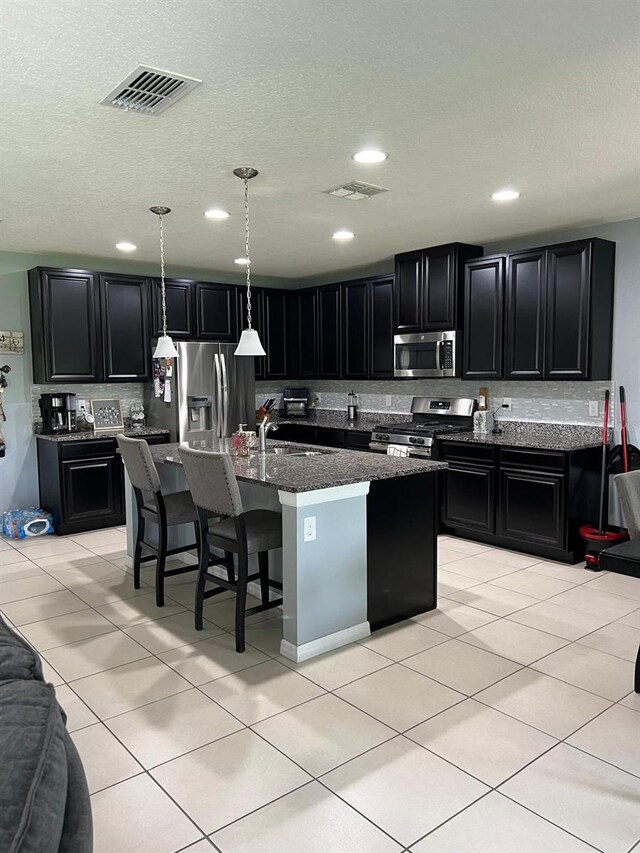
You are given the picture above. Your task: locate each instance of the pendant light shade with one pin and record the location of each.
(249, 343)
(165, 348)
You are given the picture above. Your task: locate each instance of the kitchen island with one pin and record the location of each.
(371, 558)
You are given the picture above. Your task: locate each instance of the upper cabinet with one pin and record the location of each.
(276, 306)
(216, 307)
(381, 326)
(180, 308)
(65, 331)
(428, 287)
(126, 347)
(330, 331)
(303, 337)
(257, 320)
(355, 329)
(558, 310)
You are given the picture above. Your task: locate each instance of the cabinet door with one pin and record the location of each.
(92, 491)
(355, 329)
(568, 296)
(483, 303)
(440, 285)
(215, 311)
(381, 328)
(275, 333)
(125, 328)
(180, 308)
(329, 331)
(305, 311)
(468, 498)
(408, 287)
(525, 315)
(532, 507)
(65, 326)
(257, 320)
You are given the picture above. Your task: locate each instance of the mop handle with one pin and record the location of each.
(623, 429)
(603, 472)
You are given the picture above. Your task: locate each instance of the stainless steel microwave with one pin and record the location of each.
(425, 354)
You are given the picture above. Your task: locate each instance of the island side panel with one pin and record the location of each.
(325, 580)
(402, 548)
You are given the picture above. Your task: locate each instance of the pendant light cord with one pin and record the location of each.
(162, 284)
(246, 249)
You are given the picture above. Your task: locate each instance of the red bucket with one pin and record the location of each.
(597, 540)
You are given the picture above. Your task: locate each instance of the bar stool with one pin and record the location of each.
(214, 488)
(163, 510)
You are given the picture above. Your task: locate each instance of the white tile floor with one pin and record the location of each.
(502, 722)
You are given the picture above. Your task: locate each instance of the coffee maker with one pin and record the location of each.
(58, 413)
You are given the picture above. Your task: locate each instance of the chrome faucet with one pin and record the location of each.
(265, 427)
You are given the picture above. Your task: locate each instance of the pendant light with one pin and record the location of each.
(249, 343)
(165, 348)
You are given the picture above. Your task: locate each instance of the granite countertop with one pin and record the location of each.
(535, 436)
(90, 435)
(337, 419)
(307, 473)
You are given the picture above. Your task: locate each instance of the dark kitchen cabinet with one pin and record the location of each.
(276, 310)
(329, 331)
(304, 333)
(180, 308)
(257, 320)
(381, 326)
(216, 311)
(355, 329)
(483, 318)
(532, 506)
(524, 499)
(126, 345)
(429, 285)
(526, 297)
(82, 482)
(65, 332)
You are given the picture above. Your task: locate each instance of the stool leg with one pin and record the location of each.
(228, 556)
(202, 580)
(137, 554)
(263, 564)
(162, 559)
(241, 599)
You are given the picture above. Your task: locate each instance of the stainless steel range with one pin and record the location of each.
(431, 416)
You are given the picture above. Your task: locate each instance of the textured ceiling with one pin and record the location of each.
(467, 97)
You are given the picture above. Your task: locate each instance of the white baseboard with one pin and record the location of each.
(324, 644)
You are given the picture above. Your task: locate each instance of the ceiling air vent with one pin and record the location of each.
(356, 190)
(149, 90)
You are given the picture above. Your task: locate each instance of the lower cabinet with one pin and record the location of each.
(309, 433)
(82, 482)
(525, 499)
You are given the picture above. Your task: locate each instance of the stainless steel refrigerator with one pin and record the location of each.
(212, 391)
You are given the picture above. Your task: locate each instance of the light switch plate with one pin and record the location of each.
(506, 403)
(387, 400)
(309, 528)
(593, 409)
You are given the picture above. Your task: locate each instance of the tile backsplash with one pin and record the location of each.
(126, 392)
(542, 402)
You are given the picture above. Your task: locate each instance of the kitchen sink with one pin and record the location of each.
(296, 451)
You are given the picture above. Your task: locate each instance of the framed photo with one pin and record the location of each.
(107, 414)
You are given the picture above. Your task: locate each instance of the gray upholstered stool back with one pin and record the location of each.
(139, 464)
(628, 488)
(212, 481)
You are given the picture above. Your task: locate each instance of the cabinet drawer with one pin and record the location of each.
(358, 440)
(88, 449)
(549, 460)
(484, 453)
(331, 437)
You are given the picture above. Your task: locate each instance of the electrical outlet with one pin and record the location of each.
(309, 528)
(506, 403)
(387, 400)
(593, 409)
(81, 405)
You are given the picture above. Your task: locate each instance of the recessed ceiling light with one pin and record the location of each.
(242, 261)
(216, 213)
(505, 195)
(369, 155)
(343, 235)
(124, 246)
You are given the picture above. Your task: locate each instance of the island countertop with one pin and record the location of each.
(324, 470)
